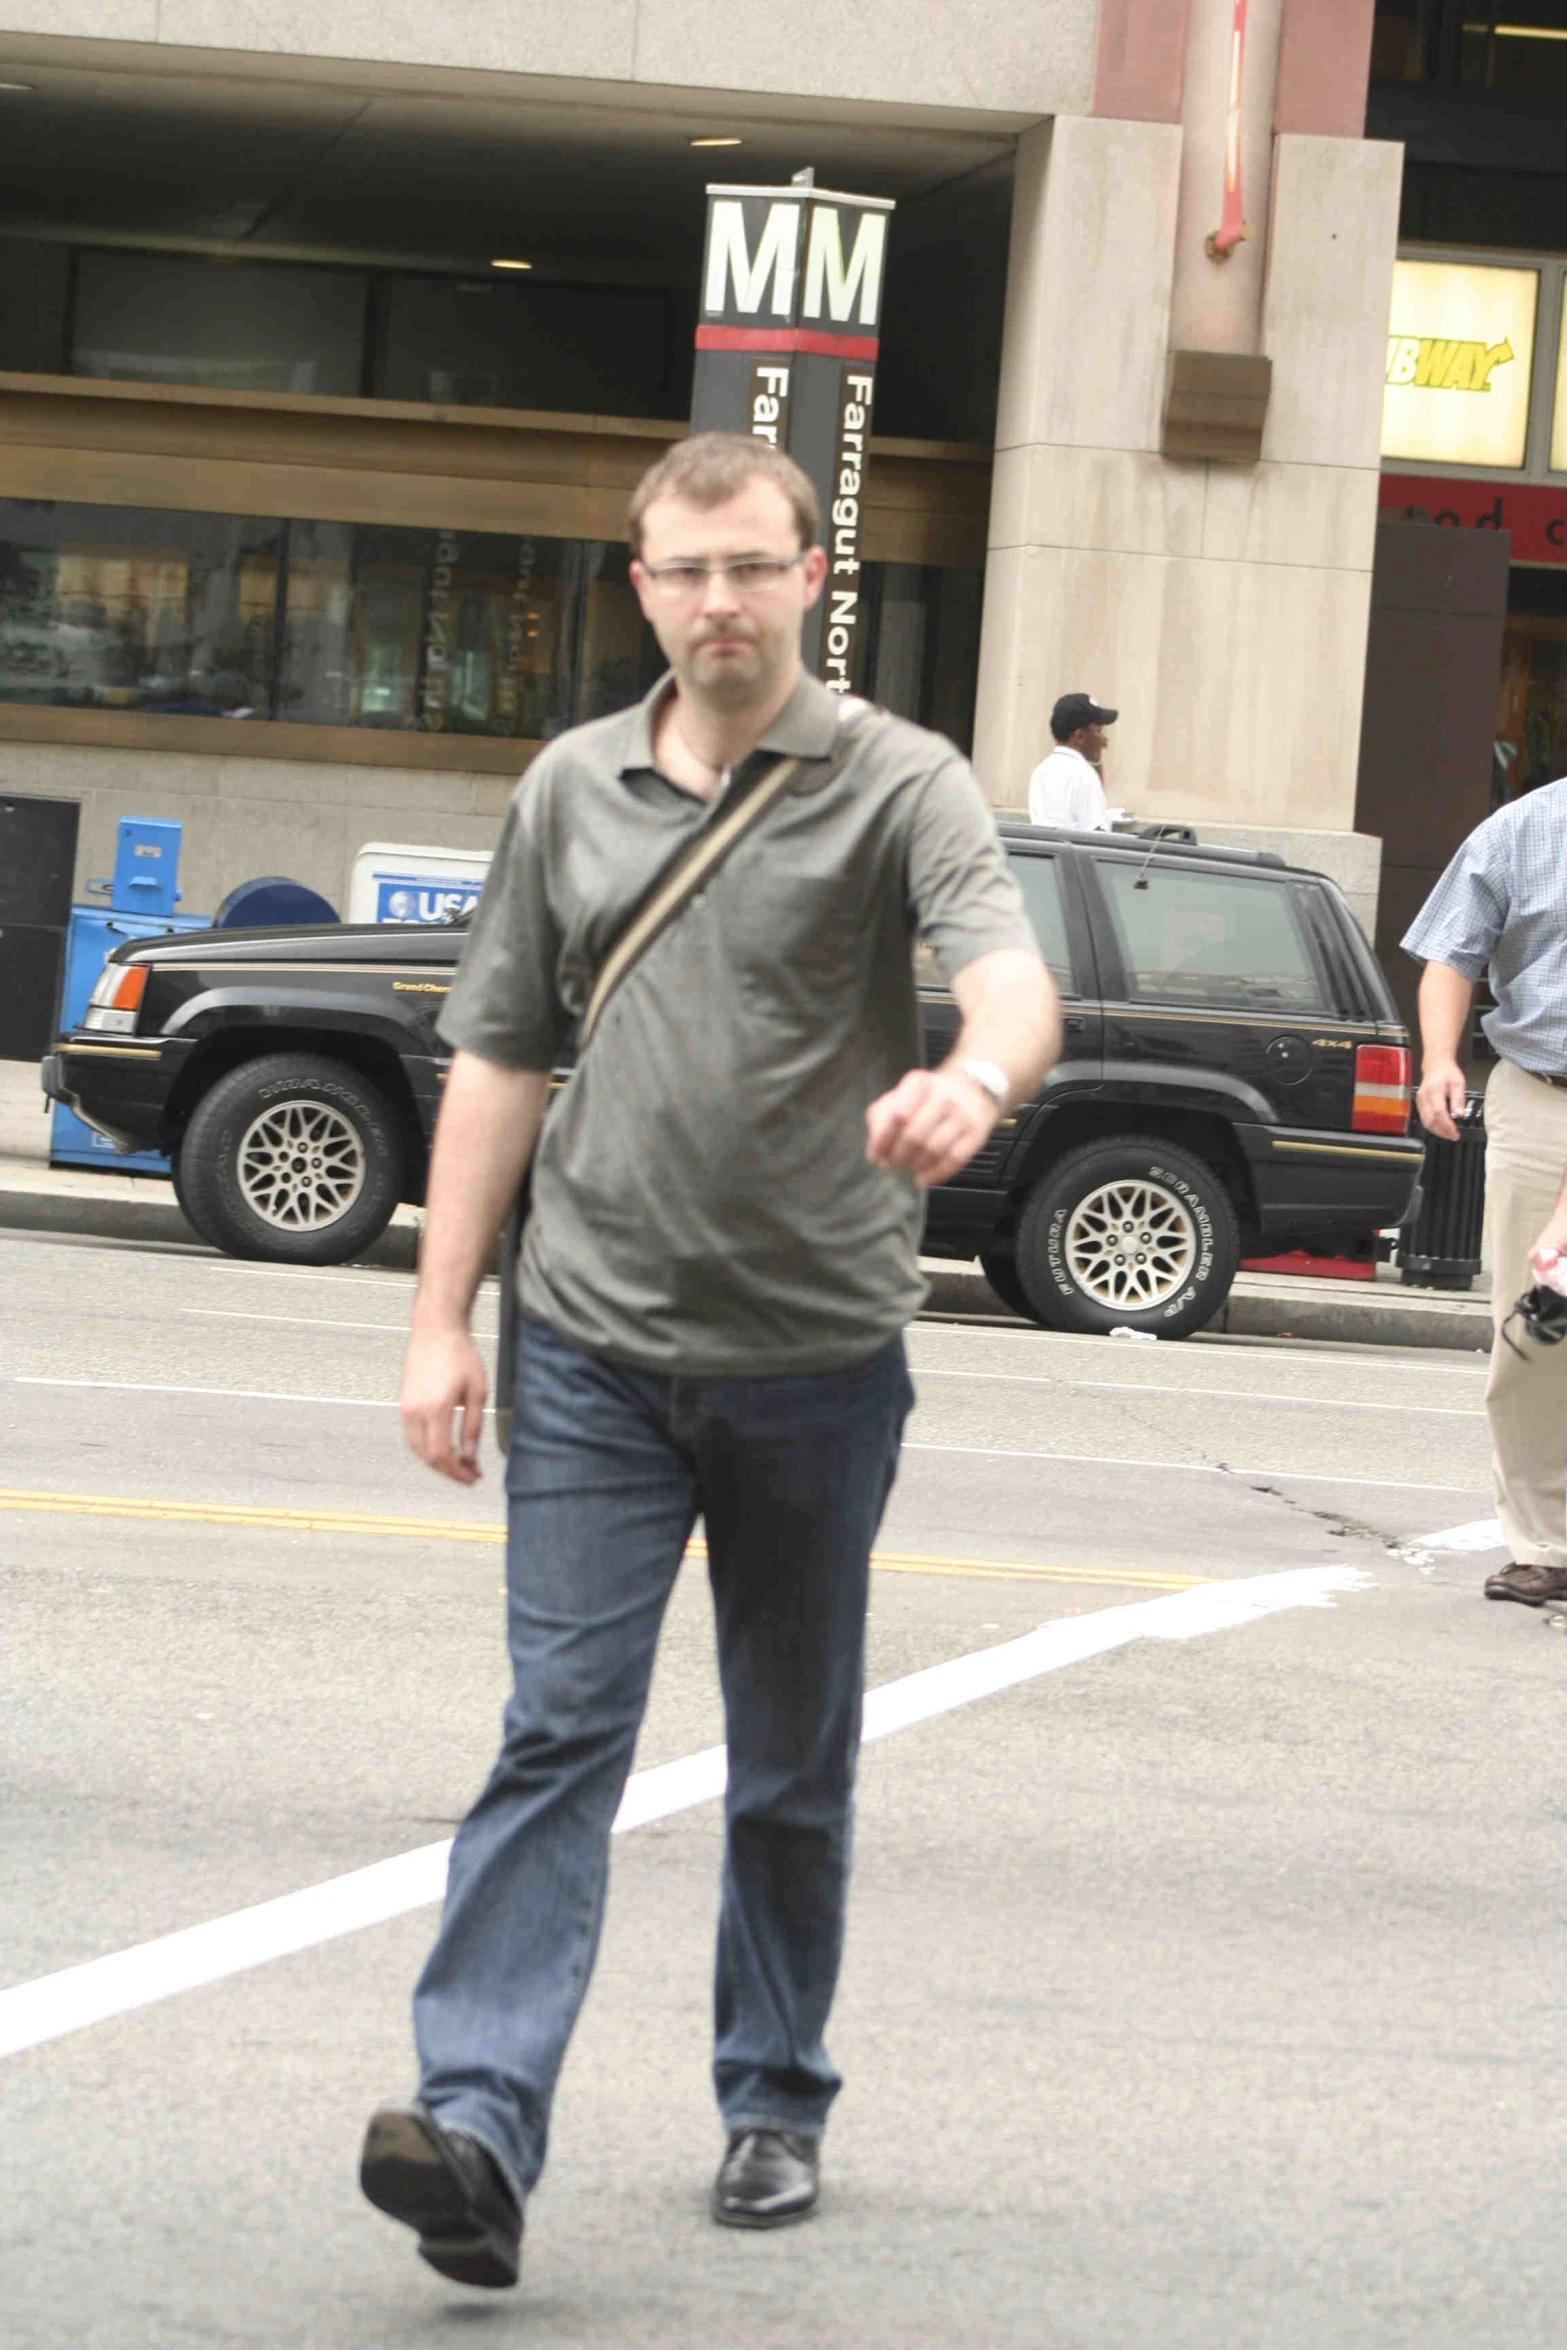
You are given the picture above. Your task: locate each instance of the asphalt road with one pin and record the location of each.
(1199, 1991)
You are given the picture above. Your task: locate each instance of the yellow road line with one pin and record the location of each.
(219, 1513)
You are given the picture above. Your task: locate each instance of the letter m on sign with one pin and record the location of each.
(828, 274)
(731, 261)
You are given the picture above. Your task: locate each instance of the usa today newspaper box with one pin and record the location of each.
(395, 882)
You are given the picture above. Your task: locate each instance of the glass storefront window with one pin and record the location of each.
(450, 631)
(108, 607)
(919, 648)
(369, 625)
(620, 655)
(244, 326)
(1531, 714)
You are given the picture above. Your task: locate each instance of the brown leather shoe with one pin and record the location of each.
(1530, 1586)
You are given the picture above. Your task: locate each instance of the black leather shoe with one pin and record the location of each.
(767, 2179)
(446, 2187)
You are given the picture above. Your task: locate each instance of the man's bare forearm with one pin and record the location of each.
(1011, 1015)
(1446, 997)
(484, 1138)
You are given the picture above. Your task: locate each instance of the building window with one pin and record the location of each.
(449, 631)
(487, 343)
(239, 326)
(1531, 718)
(378, 626)
(1469, 45)
(106, 607)
(918, 654)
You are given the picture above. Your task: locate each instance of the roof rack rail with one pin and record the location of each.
(1139, 844)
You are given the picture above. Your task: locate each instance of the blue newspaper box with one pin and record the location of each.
(142, 897)
(146, 866)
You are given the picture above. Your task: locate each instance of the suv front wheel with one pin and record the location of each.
(294, 1158)
(1128, 1231)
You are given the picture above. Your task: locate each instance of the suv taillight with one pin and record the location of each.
(1382, 1089)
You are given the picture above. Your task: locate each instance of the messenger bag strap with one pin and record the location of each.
(697, 862)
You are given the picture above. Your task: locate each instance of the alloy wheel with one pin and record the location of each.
(1131, 1245)
(301, 1165)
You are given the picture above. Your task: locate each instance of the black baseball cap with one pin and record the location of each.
(1075, 710)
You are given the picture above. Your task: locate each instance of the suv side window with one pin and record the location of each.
(1187, 936)
(1039, 878)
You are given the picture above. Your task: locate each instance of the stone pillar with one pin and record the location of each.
(1083, 509)
(1221, 608)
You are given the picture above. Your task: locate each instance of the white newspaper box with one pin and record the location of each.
(393, 881)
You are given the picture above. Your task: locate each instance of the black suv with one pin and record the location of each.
(1235, 1082)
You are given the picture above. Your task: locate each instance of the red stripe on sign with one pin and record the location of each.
(787, 338)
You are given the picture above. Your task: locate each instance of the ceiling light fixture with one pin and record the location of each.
(29, 87)
(716, 142)
(1521, 32)
(511, 264)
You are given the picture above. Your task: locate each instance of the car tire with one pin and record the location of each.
(1002, 1274)
(294, 1159)
(183, 1198)
(1132, 1232)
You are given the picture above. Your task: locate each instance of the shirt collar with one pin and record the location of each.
(805, 728)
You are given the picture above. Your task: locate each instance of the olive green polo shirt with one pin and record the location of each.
(701, 1198)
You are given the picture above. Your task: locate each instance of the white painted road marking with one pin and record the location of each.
(983, 1452)
(1316, 1403)
(296, 1321)
(1479, 1534)
(78, 1996)
(1121, 1460)
(366, 1403)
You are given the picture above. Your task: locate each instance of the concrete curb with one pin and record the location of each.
(104, 1215)
(1349, 1315)
(1366, 1316)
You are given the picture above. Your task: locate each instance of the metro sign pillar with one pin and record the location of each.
(788, 333)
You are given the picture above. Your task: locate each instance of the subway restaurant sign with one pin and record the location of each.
(1459, 363)
(786, 344)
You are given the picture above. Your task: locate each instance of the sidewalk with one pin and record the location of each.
(36, 1197)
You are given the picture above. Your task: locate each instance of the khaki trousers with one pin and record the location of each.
(1525, 1401)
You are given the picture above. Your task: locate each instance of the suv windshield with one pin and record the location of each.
(1187, 936)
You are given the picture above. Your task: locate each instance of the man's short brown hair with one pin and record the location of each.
(712, 467)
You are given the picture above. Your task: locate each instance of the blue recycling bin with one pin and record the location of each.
(142, 897)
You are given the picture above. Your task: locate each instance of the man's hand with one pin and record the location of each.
(929, 1126)
(443, 1385)
(1443, 1094)
(1554, 1237)
(490, 1119)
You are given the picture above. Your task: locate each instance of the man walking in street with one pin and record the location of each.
(1502, 903)
(1066, 788)
(717, 1269)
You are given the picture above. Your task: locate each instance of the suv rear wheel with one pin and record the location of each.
(293, 1158)
(1128, 1231)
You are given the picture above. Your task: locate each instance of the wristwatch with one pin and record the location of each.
(990, 1077)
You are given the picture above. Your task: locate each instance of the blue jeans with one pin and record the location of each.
(609, 1469)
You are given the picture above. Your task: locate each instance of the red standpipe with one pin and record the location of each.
(1233, 225)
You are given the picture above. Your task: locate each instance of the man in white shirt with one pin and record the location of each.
(1065, 789)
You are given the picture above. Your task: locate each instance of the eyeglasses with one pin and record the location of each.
(750, 575)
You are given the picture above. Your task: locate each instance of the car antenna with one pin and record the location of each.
(1142, 871)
